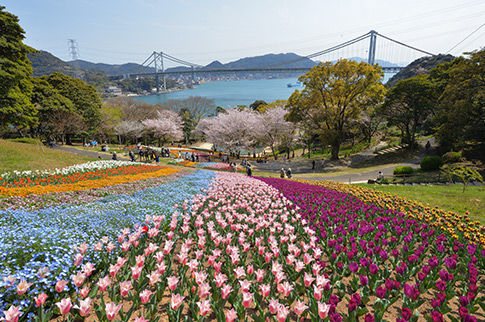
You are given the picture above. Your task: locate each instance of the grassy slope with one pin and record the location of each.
(23, 156)
(448, 198)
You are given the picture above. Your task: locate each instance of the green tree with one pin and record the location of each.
(409, 104)
(257, 104)
(460, 117)
(15, 70)
(333, 98)
(84, 97)
(188, 122)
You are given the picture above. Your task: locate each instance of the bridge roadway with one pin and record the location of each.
(275, 70)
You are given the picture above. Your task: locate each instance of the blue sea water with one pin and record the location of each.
(232, 93)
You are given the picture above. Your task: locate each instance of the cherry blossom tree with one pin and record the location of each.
(167, 126)
(235, 129)
(129, 129)
(273, 130)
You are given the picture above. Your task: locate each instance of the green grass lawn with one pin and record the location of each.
(24, 156)
(448, 198)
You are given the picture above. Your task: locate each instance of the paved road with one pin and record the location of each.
(95, 154)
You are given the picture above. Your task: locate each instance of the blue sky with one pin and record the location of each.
(120, 31)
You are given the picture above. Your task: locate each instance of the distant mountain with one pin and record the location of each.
(271, 59)
(383, 63)
(113, 70)
(419, 66)
(45, 63)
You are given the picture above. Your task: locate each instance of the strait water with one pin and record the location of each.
(233, 93)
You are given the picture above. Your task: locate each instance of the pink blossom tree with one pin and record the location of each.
(235, 129)
(129, 129)
(273, 130)
(167, 126)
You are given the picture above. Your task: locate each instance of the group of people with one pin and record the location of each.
(287, 173)
(322, 162)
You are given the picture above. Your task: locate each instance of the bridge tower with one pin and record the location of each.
(158, 62)
(372, 47)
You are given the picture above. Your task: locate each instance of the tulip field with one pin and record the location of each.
(127, 242)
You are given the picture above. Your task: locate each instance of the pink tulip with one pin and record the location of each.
(300, 307)
(40, 299)
(113, 270)
(231, 315)
(83, 248)
(104, 283)
(141, 319)
(110, 247)
(323, 309)
(154, 277)
(136, 272)
(220, 279)
(308, 279)
(78, 279)
(283, 312)
(239, 272)
(159, 256)
(140, 260)
(22, 287)
(322, 281)
(64, 305)
(317, 292)
(250, 269)
(204, 290)
(226, 290)
(265, 289)
(78, 259)
(247, 299)
(217, 266)
(84, 292)
(125, 288)
(204, 307)
(145, 296)
(245, 285)
(172, 282)
(259, 275)
(161, 267)
(273, 306)
(88, 269)
(112, 310)
(84, 306)
(12, 314)
(176, 301)
(60, 285)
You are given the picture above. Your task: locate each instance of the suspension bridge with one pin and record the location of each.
(382, 52)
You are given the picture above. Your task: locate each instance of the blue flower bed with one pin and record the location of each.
(31, 240)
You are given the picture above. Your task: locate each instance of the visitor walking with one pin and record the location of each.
(288, 173)
(313, 165)
(282, 173)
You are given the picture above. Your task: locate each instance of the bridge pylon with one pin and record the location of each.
(372, 47)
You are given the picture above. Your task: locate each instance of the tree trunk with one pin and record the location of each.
(274, 153)
(335, 151)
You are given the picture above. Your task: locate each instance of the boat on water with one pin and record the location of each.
(293, 85)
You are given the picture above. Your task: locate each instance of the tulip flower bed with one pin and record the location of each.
(39, 245)
(41, 201)
(240, 251)
(391, 261)
(214, 165)
(85, 171)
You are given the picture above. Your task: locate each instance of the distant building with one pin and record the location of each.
(116, 91)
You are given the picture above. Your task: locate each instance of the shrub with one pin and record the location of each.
(431, 163)
(26, 140)
(403, 170)
(451, 157)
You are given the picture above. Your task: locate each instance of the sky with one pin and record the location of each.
(201, 31)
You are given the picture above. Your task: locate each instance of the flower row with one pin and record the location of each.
(239, 251)
(393, 262)
(57, 179)
(40, 243)
(86, 184)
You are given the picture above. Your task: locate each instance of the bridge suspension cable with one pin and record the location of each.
(403, 44)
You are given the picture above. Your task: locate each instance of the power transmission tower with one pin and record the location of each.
(74, 53)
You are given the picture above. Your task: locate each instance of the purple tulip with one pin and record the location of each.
(373, 269)
(354, 267)
(381, 292)
(364, 280)
(411, 292)
(436, 316)
(406, 313)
